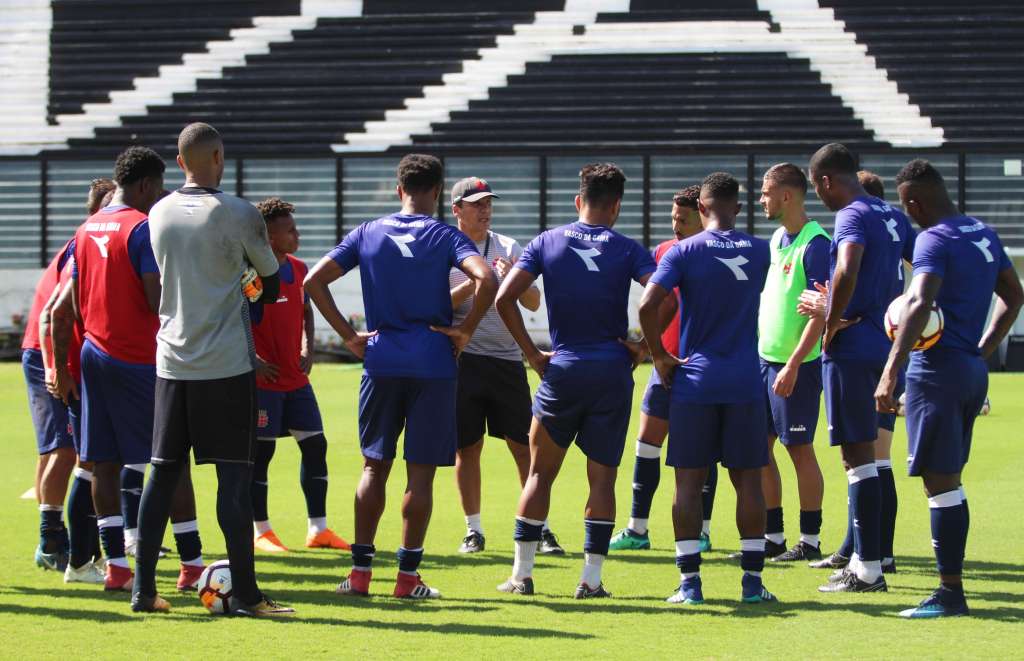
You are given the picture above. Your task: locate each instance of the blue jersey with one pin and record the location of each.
(968, 256)
(888, 239)
(720, 275)
(403, 267)
(587, 271)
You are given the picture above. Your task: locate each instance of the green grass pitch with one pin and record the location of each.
(42, 618)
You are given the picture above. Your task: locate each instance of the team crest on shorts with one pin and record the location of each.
(262, 419)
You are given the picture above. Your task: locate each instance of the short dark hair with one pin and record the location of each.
(788, 175)
(98, 190)
(872, 183)
(833, 159)
(720, 186)
(920, 171)
(137, 163)
(196, 133)
(419, 173)
(273, 208)
(602, 184)
(687, 197)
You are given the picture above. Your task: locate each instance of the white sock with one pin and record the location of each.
(775, 537)
(592, 563)
(317, 524)
(522, 567)
(639, 526)
(50, 508)
(195, 562)
(262, 527)
(131, 536)
(706, 527)
(755, 574)
(473, 523)
(811, 540)
(869, 571)
(546, 526)
(888, 561)
(118, 562)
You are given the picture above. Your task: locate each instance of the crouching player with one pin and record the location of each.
(285, 403)
(958, 263)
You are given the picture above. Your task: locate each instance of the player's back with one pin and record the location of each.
(587, 270)
(202, 239)
(887, 238)
(720, 275)
(404, 261)
(968, 255)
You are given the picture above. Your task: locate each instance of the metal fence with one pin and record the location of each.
(42, 199)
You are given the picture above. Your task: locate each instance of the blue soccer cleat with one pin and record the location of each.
(754, 591)
(57, 561)
(705, 543)
(942, 603)
(689, 593)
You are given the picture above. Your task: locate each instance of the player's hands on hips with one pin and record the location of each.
(539, 361)
(305, 362)
(831, 330)
(785, 380)
(357, 343)
(266, 371)
(885, 399)
(637, 350)
(60, 384)
(813, 303)
(502, 267)
(458, 335)
(666, 365)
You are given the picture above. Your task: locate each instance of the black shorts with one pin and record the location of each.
(216, 418)
(492, 392)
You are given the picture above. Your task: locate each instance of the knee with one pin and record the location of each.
(63, 460)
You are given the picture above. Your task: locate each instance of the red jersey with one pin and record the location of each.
(278, 334)
(670, 338)
(112, 301)
(44, 289)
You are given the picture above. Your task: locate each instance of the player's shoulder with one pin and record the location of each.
(507, 243)
(298, 265)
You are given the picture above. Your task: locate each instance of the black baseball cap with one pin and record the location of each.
(471, 189)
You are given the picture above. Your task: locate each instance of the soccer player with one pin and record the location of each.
(958, 263)
(410, 358)
(872, 183)
(789, 345)
(586, 388)
(205, 385)
(285, 402)
(870, 238)
(717, 410)
(654, 409)
(493, 393)
(115, 287)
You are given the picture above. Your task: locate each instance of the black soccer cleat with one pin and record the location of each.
(801, 551)
(889, 568)
(549, 544)
(849, 582)
(584, 591)
(512, 586)
(472, 543)
(835, 561)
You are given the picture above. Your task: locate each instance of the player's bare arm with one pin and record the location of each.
(462, 292)
(651, 325)
(152, 289)
(512, 288)
(316, 284)
(785, 380)
(843, 284)
(637, 349)
(924, 289)
(62, 328)
(1009, 298)
(308, 339)
(485, 287)
(45, 339)
(530, 299)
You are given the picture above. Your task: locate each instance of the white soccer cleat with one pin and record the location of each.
(87, 573)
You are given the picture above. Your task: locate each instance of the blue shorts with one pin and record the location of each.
(280, 414)
(117, 408)
(887, 421)
(49, 415)
(700, 435)
(793, 419)
(940, 414)
(425, 408)
(656, 398)
(75, 419)
(587, 402)
(850, 400)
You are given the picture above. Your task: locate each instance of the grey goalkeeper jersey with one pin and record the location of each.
(202, 240)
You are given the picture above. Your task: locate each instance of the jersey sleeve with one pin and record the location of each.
(66, 256)
(930, 254)
(816, 261)
(461, 247)
(346, 253)
(530, 261)
(256, 245)
(669, 273)
(643, 262)
(850, 227)
(140, 250)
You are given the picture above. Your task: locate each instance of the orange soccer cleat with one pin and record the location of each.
(188, 578)
(269, 542)
(118, 578)
(327, 539)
